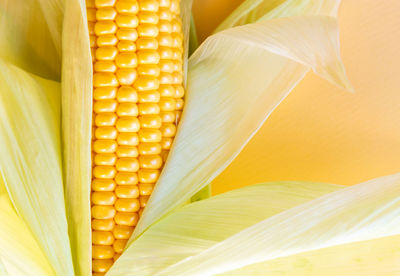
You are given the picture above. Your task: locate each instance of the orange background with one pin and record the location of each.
(321, 133)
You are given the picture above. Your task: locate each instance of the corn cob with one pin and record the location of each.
(137, 50)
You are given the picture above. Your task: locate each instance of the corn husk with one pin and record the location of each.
(267, 229)
(30, 162)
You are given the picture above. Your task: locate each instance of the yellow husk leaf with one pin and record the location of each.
(367, 211)
(251, 11)
(199, 226)
(367, 258)
(30, 32)
(20, 254)
(235, 80)
(76, 121)
(249, 229)
(30, 162)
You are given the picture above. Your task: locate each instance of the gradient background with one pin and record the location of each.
(319, 132)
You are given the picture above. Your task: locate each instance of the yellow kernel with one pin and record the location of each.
(102, 252)
(126, 76)
(149, 148)
(148, 176)
(119, 245)
(128, 139)
(177, 54)
(166, 78)
(104, 146)
(127, 94)
(90, 3)
(168, 130)
(148, 108)
(165, 3)
(103, 224)
(150, 161)
(104, 93)
(178, 66)
(127, 151)
(105, 66)
(165, 14)
(127, 191)
(104, 3)
(105, 106)
(177, 78)
(126, 60)
(149, 5)
(177, 41)
(105, 119)
(91, 28)
(146, 83)
(141, 212)
(147, 30)
(106, 53)
(127, 21)
(91, 14)
(148, 18)
(103, 212)
(166, 143)
(105, 28)
(167, 91)
(92, 39)
(127, 34)
(105, 159)
(122, 231)
(145, 189)
(165, 40)
(124, 178)
(148, 135)
(150, 121)
(179, 104)
(167, 104)
(104, 79)
(178, 115)
(179, 91)
(127, 205)
(106, 14)
(127, 219)
(152, 70)
(107, 172)
(103, 198)
(107, 40)
(149, 97)
(176, 26)
(165, 26)
(127, 165)
(115, 258)
(101, 266)
(127, 109)
(167, 117)
(127, 7)
(147, 43)
(106, 133)
(102, 238)
(106, 185)
(143, 201)
(128, 124)
(165, 53)
(148, 57)
(126, 46)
